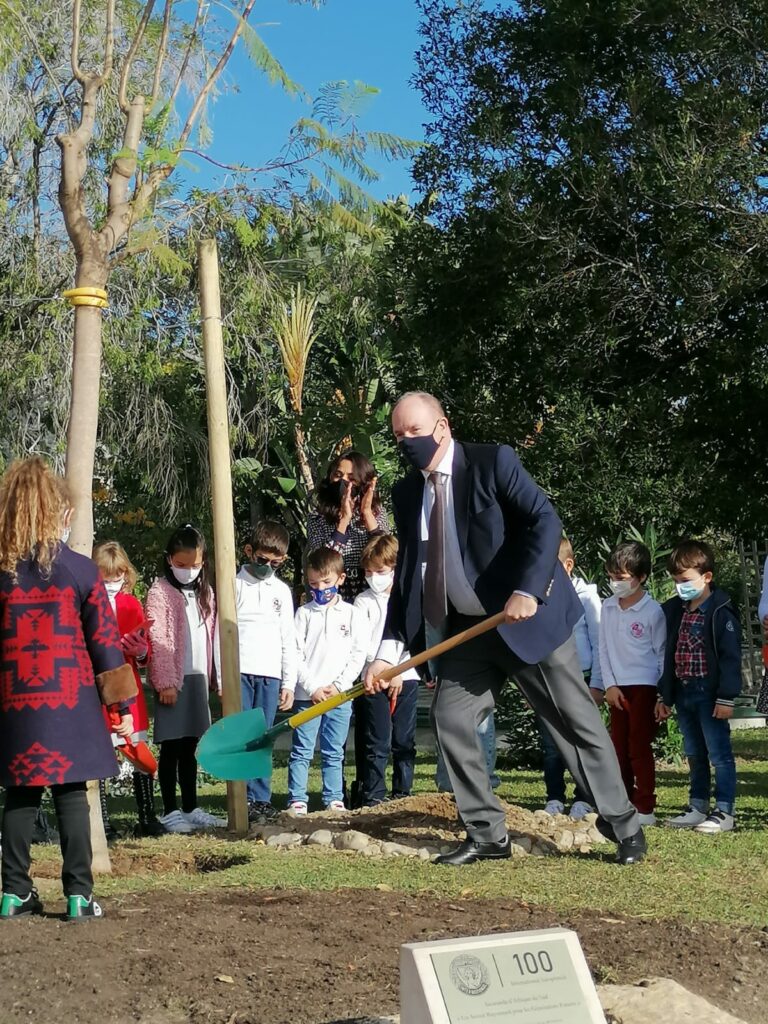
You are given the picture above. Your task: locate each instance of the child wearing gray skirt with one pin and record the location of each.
(181, 611)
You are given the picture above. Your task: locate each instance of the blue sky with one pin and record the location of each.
(373, 41)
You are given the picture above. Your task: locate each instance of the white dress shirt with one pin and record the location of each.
(460, 593)
(458, 588)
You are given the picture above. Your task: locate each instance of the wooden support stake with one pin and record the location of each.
(223, 510)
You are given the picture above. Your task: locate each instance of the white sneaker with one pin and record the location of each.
(689, 817)
(336, 805)
(647, 820)
(554, 807)
(297, 808)
(718, 821)
(580, 809)
(202, 819)
(176, 822)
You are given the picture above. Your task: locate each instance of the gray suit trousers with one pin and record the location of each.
(470, 680)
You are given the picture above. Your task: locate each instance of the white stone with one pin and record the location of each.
(564, 839)
(351, 840)
(322, 837)
(398, 850)
(596, 837)
(660, 1001)
(523, 841)
(285, 839)
(424, 854)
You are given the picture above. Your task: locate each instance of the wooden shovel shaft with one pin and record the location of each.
(357, 691)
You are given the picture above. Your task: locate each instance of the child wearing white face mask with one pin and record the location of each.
(632, 638)
(380, 727)
(181, 611)
(119, 577)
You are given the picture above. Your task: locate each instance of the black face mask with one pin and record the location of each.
(419, 451)
(332, 492)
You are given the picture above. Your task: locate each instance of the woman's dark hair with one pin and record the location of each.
(328, 495)
(188, 538)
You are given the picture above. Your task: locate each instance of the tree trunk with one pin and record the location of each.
(81, 456)
(302, 457)
(83, 423)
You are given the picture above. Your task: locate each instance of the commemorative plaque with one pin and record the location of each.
(536, 977)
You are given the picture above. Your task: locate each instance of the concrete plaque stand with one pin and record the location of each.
(535, 977)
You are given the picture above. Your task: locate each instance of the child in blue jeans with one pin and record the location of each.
(331, 641)
(267, 640)
(702, 678)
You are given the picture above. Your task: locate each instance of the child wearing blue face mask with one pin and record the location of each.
(331, 643)
(702, 678)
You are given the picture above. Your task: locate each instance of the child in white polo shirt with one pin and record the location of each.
(267, 640)
(633, 634)
(331, 639)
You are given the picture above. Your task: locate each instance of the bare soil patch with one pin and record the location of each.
(283, 957)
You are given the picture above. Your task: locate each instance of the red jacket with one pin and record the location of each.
(130, 615)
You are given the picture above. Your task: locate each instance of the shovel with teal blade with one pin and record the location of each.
(240, 746)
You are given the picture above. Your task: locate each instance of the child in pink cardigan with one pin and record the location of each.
(181, 611)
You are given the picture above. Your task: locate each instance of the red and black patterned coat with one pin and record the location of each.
(57, 635)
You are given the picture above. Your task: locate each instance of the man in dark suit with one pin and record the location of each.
(477, 535)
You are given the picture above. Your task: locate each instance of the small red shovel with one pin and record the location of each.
(139, 753)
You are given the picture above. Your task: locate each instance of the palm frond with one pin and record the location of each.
(264, 59)
(295, 334)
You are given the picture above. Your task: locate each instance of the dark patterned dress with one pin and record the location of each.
(57, 633)
(350, 545)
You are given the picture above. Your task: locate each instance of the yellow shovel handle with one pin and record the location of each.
(302, 717)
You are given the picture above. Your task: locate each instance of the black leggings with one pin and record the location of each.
(71, 805)
(177, 760)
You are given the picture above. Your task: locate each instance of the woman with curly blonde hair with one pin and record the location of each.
(59, 653)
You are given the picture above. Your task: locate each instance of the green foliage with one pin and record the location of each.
(587, 278)
(668, 745)
(516, 722)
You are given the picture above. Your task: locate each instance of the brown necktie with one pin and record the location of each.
(435, 601)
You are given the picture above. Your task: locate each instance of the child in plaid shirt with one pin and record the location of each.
(702, 677)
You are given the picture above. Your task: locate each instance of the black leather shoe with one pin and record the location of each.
(633, 849)
(469, 851)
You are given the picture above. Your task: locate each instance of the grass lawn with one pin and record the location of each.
(722, 878)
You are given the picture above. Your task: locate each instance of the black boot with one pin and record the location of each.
(144, 792)
(109, 829)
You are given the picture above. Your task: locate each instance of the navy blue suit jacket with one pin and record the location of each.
(509, 535)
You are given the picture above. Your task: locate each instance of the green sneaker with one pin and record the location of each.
(17, 906)
(82, 908)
